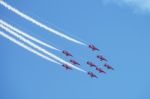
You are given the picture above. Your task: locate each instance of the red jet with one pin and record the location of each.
(74, 62)
(101, 58)
(93, 48)
(91, 64)
(66, 53)
(100, 70)
(92, 75)
(67, 67)
(108, 66)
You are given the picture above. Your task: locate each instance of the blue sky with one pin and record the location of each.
(121, 31)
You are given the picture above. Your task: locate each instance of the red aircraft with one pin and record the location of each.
(100, 70)
(66, 53)
(91, 64)
(92, 75)
(67, 67)
(93, 48)
(108, 66)
(74, 62)
(101, 58)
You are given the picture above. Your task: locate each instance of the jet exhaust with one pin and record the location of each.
(27, 35)
(41, 49)
(27, 48)
(16, 11)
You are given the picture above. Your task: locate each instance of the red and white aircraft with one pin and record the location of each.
(101, 58)
(92, 75)
(91, 64)
(93, 48)
(108, 66)
(74, 62)
(67, 67)
(66, 53)
(100, 70)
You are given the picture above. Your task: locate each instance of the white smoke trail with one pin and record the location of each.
(27, 35)
(27, 48)
(41, 49)
(40, 24)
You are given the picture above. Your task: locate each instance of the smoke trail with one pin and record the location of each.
(41, 49)
(40, 24)
(28, 36)
(27, 48)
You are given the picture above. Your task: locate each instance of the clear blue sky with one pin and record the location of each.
(121, 31)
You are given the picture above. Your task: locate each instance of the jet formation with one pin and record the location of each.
(68, 66)
(91, 74)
